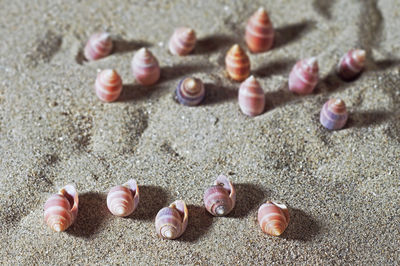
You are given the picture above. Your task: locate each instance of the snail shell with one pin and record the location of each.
(351, 64)
(98, 46)
(172, 221)
(273, 218)
(190, 91)
(237, 63)
(182, 42)
(61, 209)
(304, 76)
(333, 114)
(260, 33)
(251, 97)
(108, 85)
(123, 200)
(220, 199)
(145, 67)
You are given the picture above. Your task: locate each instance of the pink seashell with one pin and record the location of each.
(171, 222)
(145, 67)
(182, 41)
(304, 76)
(220, 199)
(98, 46)
(123, 200)
(351, 64)
(260, 33)
(61, 210)
(273, 218)
(333, 114)
(237, 63)
(108, 85)
(251, 97)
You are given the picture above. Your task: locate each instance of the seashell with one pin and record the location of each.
(304, 76)
(237, 63)
(123, 200)
(333, 114)
(145, 67)
(190, 91)
(61, 209)
(220, 198)
(108, 85)
(251, 97)
(273, 218)
(182, 42)
(351, 64)
(260, 33)
(98, 46)
(172, 221)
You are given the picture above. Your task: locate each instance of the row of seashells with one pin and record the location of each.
(61, 210)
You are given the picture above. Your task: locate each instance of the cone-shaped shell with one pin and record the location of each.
(190, 91)
(304, 76)
(145, 67)
(172, 221)
(108, 85)
(251, 97)
(220, 198)
(333, 114)
(123, 200)
(237, 63)
(182, 42)
(260, 33)
(273, 218)
(98, 46)
(351, 64)
(61, 210)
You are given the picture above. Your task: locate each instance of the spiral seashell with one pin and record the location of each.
(190, 91)
(182, 42)
(172, 221)
(351, 64)
(61, 209)
(98, 46)
(260, 33)
(273, 218)
(237, 63)
(333, 114)
(304, 76)
(220, 198)
(123, 200)
(251, 97)
(145, 67)
(108, 85)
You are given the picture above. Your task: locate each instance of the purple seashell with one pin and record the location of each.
(190, 91)
(334, 114)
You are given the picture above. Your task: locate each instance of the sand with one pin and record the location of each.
(342, 187)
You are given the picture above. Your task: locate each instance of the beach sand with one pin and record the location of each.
(342, 188)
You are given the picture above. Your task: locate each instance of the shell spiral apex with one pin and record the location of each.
(98, 46)
(183, 41)
(123, 200)
(237, 63)
(260, 33)
(220, 198)
(171, 222)
(273, 218)
(304, 76)
(333, 114)
(145, 67)
(61, 210)
(351, 64)
(190, 91)
(108, 85)
(251, 97)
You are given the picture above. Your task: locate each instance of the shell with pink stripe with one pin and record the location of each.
(220, 198)
(304, 76)
(61, 210)
(171, 222)
(251, 97)
(108, 85)
(123, 200)
(273, 218)
(260, 33)
(351, 64)
(183, 41)
(98, 46)
(145, 67)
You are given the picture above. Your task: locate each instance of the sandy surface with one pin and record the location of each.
(342, 187)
